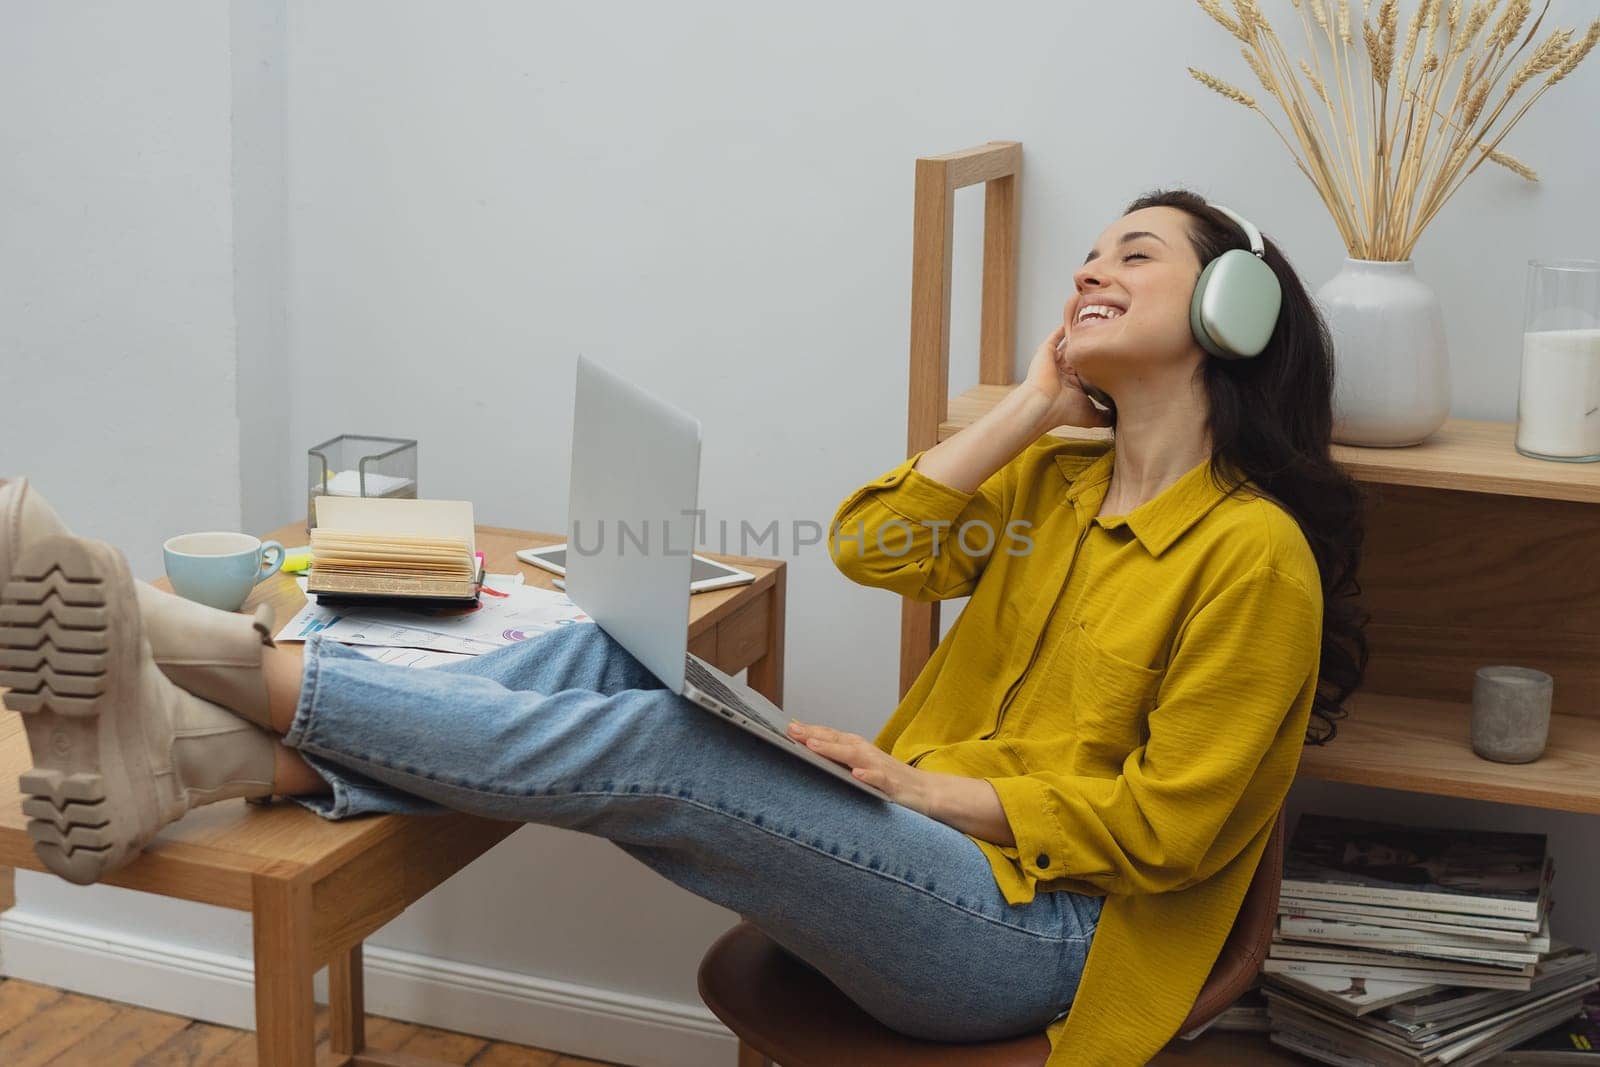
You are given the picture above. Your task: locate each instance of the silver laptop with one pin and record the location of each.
(635, 487)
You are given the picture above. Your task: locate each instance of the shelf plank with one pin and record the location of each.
(1423, 746)
(1464, 454)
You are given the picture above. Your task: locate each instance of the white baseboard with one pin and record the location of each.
(502, 1005)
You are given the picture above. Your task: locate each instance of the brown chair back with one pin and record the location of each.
(1240, 959)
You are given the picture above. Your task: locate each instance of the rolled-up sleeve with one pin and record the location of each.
(1223, 743)
(911, 534)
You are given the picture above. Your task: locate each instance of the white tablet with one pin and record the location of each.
(707, 573)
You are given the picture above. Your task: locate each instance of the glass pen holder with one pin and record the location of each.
(356, 465)
(1558, 402)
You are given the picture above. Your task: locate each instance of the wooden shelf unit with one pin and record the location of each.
(1463, 454)
(1473, 555)
(1421, 746)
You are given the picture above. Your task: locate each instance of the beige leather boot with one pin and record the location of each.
(213, 654)
(25, 519)
(118, 750)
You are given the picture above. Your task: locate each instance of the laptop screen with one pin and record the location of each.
(631, 523)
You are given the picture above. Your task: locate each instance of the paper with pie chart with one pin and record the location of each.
(509, 611)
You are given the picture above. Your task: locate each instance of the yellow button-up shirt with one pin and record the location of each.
(1135, 687)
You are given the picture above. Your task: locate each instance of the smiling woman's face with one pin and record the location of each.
(1131, 296)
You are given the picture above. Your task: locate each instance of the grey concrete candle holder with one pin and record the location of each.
(1511, 713)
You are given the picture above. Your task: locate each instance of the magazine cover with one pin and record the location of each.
(1554, 1006)
(1522, 962)
(1341, 931)
(1565, 963)
(1490, 925)
(1283, 949)
(1469, 871)
(1352, 995)
(1345, 919)
(1506, 1009)
(1574, 1041)
(1302, 1024)
(1503, 980)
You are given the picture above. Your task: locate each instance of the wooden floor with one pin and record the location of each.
(40, 1025)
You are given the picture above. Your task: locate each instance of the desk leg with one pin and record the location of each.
(285, 1035)
(346, 1002)
(765, 675)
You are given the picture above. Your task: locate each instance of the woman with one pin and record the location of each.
(1114, 718)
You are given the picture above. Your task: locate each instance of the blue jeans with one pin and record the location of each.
(899, 910)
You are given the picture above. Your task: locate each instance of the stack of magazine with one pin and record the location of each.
(1406, 945)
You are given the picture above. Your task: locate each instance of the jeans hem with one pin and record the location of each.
(336, 806)
(311, 673)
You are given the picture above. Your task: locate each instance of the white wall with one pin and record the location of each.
(267, 457)
(117, 341)
(116, 268)
(714, 199)
(116, 309)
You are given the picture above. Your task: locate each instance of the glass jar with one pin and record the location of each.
(358, 465)
(1558, 403)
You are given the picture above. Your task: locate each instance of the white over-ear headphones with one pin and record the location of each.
(1237, 298)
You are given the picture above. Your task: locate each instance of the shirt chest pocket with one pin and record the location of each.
(1106, 698)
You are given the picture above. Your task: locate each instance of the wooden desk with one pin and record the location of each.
(316, 889)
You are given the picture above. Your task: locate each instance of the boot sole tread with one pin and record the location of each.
(31, 585)
(62, 662)
(83, 794)
(73, 621)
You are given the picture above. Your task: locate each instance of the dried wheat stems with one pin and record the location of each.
(1389, 115)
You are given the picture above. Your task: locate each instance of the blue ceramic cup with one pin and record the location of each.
(219, 569)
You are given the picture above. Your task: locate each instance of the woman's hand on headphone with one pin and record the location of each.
(1052, 375)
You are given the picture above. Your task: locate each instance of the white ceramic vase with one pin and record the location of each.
(1391, 369)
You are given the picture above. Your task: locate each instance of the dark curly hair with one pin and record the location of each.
(1271, 421)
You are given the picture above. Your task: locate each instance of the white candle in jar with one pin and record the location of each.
(1558, 411)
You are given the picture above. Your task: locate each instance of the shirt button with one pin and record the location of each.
(1043, 860)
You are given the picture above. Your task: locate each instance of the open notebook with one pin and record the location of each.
(371, 547)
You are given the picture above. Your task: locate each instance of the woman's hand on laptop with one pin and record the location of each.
(971, 805)
(901, 782)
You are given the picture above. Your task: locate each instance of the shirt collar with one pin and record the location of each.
(1158, 522)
